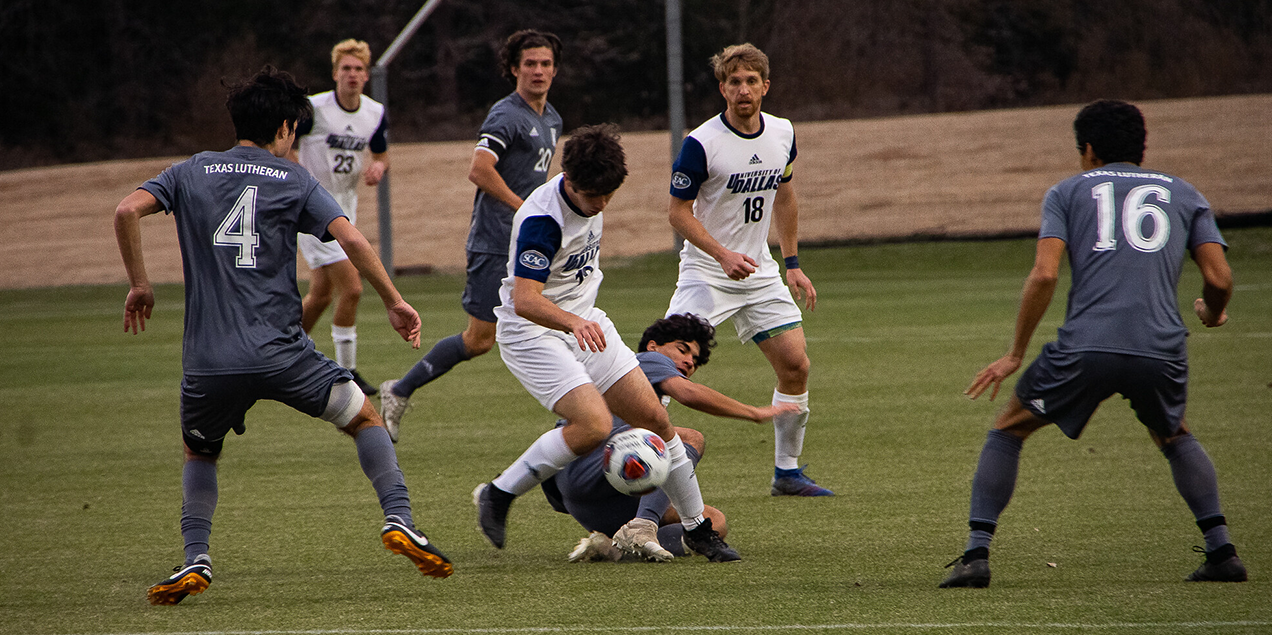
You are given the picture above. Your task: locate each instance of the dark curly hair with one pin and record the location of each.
(1115, 130)
(682, 326)
(258, 106)
(593, 159)
(510, 54)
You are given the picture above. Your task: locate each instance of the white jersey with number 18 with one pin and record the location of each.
(733, 178)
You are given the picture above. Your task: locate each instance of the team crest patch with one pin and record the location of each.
(531, 259)
(680, 180)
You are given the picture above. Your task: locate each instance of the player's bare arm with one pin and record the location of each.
(704, 399)
(483, 174)
(735, 265)
(141, 296)
(1216, 287)
(786, 219)
(1040, 286)
(527, 297)
(402, 316)
(376, 169)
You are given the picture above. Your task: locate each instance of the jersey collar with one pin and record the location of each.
(725, 121)
(566, 197)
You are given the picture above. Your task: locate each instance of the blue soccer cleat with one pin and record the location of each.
(794, 483)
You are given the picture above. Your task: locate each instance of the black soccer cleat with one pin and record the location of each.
(404, 540)
(492, 512)
(704, 540)
(971, 570)
(1221, 565)
(362, 384)
(188, 579)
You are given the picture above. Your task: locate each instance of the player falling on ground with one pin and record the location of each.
(732, 178)
(565, 350)
(1126, 229)
(333, 145)
(512, 157)
(671, 350)
(237, 215)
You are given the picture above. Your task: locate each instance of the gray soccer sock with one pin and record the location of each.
(671, 537)
(440, 359)
(379, 463)
(198, 493)
(1196, 481)
(654, 504)
(993, 485)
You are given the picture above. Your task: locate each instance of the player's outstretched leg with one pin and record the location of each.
(191, 578)
(395, 395)
(401, 538)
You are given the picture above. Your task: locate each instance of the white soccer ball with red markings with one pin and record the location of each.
(636, 461)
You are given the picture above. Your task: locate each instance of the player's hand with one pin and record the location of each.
(404, 320)
(737, 266)
(994, 374)
(589, 335)
(765, 413)
(802, 288)
(1208, 318)
(373, 173)
(137, 307)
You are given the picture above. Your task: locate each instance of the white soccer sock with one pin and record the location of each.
(788, 431)
(346, 339)
(682, 485)
(546, 456)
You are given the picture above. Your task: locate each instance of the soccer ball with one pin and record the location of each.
(636, 461)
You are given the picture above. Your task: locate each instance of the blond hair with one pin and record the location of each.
(738, 56)
(356, 48)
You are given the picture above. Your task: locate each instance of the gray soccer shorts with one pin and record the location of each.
(1065, 388)
(481, 291)
(212, 405)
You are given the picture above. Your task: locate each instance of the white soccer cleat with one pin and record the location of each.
(392, 407)
(639, 537)
(596, 547)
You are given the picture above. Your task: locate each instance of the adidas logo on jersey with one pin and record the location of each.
(534, 132)
(1038, 405)
(348, 128)
(755, 158)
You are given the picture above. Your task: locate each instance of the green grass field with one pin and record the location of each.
(90, 477)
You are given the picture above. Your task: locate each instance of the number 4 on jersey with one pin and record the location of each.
(238, 229)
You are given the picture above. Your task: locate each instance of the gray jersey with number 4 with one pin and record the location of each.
(1126, 230)
(237, 215)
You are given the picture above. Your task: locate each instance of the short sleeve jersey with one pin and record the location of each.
(333, 145)
(732, 179)
(553, 243)
(522, 142)
(1126, 230)
(237, 215)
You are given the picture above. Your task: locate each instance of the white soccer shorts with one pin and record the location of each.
(317, 253)
(754, 309)
(551, 365)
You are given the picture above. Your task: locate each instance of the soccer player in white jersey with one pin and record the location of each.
(732, 178)
(333, 146)
(565, 350)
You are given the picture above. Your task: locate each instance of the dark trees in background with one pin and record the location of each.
(107, 79)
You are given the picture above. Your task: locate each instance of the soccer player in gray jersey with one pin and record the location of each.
(672, 350)
(237, 214)
(512, 157)
(1125, 229)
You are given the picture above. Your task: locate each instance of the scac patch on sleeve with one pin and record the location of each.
(680, 180)
(531, 259)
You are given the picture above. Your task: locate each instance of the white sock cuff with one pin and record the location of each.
(801, 399)
(344, 333)
(555, 449)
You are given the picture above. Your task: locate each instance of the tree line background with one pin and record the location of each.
(109, 79)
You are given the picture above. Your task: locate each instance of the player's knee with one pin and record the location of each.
(718, 522)
(478, 342)
(796, 368)
(348, 409)
(587, 433)
(693, 438)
